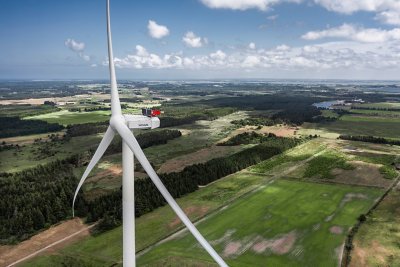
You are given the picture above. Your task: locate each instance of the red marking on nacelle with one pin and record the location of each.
(155, 112)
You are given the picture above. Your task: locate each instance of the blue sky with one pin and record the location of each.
(201, 39)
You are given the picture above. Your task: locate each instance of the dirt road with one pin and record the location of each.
(47, 241)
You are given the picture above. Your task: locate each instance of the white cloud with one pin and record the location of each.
(351, 32)
(244, 4)
(252, 45)
(388, 11)
(77, 47)
(331, 56)
(192, 40)
(389, 17)
(74, 45)
(157, 31)
(351, 6)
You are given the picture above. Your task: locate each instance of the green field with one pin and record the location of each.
(106, 248)
(378, 238)
(285, 224)
(16, 160)
(66, 117)
(382, 127)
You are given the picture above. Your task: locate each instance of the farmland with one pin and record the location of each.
(309, 231)
(303, 201)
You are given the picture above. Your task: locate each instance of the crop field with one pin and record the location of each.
(290, 224)
(66, 117)
(377, 241)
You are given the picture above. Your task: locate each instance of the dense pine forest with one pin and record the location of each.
(14, 126)
(36, 198)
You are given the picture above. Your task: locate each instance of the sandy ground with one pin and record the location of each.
(360, 255)
(179, 163)
(363, 174)
(11, 254)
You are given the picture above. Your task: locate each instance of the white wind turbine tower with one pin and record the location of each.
(122, 124)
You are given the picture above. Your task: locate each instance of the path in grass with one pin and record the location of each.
(286, 224)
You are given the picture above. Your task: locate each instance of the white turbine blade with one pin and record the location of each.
(115, 104)
(130, 139)
(105, 142)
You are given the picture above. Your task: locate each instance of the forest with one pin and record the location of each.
(14, 126)
(36, 198)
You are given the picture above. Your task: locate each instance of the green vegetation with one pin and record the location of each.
(26, 110)
(370, 139)
(14, 126)
(295, 213)
(322, 165)
(388, 172)
(66, 117)
(378, 237)
(46, 198)
(41, 152)
(105, 249)
(148, 197)
(388, 128)
(254, 121)
(380, 105)
(279, 162)
(248, 138)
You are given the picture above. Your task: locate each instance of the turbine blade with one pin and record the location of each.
(130, 139)
(105, 142)
(115, 104)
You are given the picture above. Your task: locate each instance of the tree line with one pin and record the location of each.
(375, 108)
(370, 139)
(14, 126)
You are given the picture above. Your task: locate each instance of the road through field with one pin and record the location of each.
(43, 242)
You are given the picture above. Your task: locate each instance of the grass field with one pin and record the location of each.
(377, 241)
(285, 224)
(382, 127)
(66, 117)
(16, 160)
(106, 248)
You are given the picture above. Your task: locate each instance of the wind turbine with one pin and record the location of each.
(122, 124)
